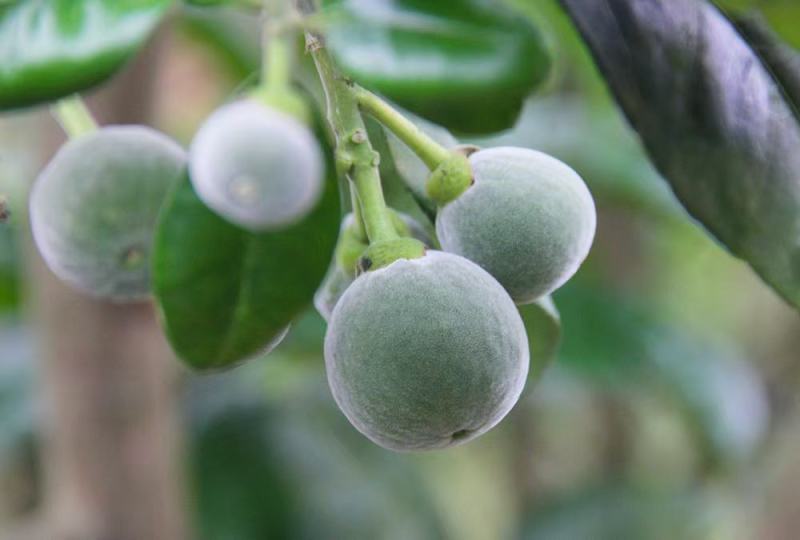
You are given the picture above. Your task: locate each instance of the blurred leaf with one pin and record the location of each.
(543, 323)
(18, 404)
(466, 64)
(621, 346)
(723, 395)
(53, 48)
(782, 60)
(10, 285)
(354, 489)
(241, 491)
(225, 293)
(620, 513)
(312, 475)
(713, 119)
(782, 15)
(231, 34)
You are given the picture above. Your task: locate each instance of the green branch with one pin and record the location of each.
(74, 117)
(428, 150)
(354, 153)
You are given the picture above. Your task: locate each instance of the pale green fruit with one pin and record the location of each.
(338, 279)
(528, 219)
(257, 167)
(426, 353)
(93, 209)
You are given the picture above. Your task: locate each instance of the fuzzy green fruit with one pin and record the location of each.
(339, 278)
(426, 353)
(255, 166)
(528, 219)
(93, 209)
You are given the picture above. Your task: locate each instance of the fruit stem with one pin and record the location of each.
(428, 150)
(355, 155)
(73, 116)
(275, 51)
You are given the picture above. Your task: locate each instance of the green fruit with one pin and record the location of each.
(426, 353)
(257, 167)
(528, 219)
(93, 209)
(339, 278)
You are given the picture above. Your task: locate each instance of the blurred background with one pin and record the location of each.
(671, 410)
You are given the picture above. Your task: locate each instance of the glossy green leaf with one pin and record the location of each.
(466, 64)
(224, 293)
(715, 121)
(543, 323)
(53, 48)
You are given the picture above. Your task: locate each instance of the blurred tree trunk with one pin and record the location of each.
(111, 436)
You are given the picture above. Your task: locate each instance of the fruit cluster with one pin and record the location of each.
(425, 346)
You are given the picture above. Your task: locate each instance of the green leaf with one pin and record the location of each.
(714, 120)
(466, 64)
(225, 293)
(53, 48)
(543, 323)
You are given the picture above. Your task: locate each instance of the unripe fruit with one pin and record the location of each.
(528, 219)
(93, 209)
(340, 276)
(426, 353)
(257, 167)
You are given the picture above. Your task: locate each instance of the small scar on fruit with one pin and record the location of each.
(364, 264)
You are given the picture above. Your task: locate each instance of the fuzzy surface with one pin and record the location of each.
(93, 209)
(528, 219)
(426, 353)
(255, 166)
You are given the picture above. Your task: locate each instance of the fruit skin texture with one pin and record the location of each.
(528, 219)
(255, 166)
(426, 353)
(93, 209)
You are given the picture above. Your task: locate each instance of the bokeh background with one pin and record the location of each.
(671, 411)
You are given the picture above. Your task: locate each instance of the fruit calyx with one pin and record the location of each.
(451, 177)
(382, 254)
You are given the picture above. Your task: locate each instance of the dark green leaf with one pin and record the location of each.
(714, 120)
(466, 64)
(53, 48)
(225, 293)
